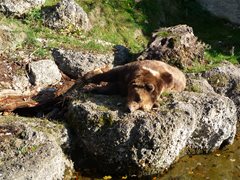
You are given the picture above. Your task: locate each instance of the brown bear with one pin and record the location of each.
(141, 81)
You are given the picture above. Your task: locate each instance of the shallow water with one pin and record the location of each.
(220, 165)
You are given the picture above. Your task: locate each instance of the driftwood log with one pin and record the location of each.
(11, 100)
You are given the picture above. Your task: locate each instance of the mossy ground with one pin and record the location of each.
(130, 24)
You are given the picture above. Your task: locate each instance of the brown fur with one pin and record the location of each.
(141, 81)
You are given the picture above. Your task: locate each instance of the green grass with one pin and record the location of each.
(219, 34)
(130, 24)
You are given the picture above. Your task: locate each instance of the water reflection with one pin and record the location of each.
(222, 164)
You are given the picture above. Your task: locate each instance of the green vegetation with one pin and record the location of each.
(105, 119)
(131, 23)
(218, 80)
(194, 88)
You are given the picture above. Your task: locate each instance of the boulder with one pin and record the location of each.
(175, 45)
(19, 7)
(225, 80)
(144, 143)
(65, 13)
(75, 64)
(32, 149)
(44, 73)
(228, 9)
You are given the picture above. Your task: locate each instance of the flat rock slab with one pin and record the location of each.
(31, 149)
(143, 143)
(75, 64)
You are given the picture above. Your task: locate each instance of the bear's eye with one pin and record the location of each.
(149, 87)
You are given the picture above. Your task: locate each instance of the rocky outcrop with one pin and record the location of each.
(75, 64)
(225, 80)
(175, 45)
(32, 149)
(66, 13)
(44, 73)
(228, 9)
(143, 143)
(19, 7)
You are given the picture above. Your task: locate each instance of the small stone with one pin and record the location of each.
(44, 73)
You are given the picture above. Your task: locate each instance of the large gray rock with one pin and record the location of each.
(175, 45)
(229, 9)
(65, 13)
(144, 143)
(44, 73)
(225, 80)
(75, 64)
(31, 149)
(19, 7)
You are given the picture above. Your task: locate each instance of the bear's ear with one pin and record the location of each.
(150, 87)
(167, 77)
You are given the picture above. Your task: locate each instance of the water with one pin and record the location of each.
(220, 165)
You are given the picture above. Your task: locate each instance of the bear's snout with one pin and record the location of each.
(133, 106)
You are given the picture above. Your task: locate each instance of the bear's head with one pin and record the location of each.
(145, 89)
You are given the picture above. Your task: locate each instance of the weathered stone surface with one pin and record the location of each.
(31, 149)
(19, 7)
(75, 64)
(175, 45)
(196, 83)
(65, 13)
(228, 9)
(144, 143)
(225, 80)
(9, 39)
(44, 73)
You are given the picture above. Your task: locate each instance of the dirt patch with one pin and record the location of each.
(8, 69)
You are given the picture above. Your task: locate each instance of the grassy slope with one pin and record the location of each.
(130, 24)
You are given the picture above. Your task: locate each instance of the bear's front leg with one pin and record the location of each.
(89, 75)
